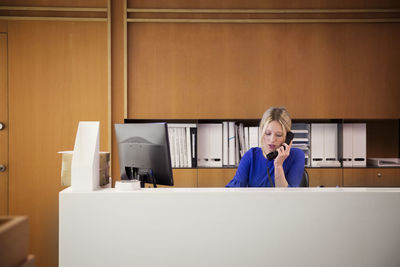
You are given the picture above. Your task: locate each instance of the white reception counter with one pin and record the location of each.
(230, 227)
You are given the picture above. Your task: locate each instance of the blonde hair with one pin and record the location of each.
(279, 114)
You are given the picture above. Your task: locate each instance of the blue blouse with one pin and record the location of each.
(252, 170)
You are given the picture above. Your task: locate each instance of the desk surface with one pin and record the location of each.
(231, 227)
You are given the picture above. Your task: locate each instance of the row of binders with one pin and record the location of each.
(224, 144)
(335, 144)
(182, 144)
(210, 144)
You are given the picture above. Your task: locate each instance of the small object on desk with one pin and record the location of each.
(127, 185)
(384, 162)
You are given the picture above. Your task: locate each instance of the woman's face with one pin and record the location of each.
(273, 136)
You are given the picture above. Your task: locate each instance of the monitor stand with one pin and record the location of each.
(141, 174)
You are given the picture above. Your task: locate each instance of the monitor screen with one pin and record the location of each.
(144, 154)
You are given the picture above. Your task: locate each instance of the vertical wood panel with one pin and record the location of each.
(3, 26)
(237, 71)
(325, 177)
(117, 78)
(183, 178)
(57, 77)
(215, 177)
(3, 119)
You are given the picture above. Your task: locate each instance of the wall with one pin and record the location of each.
(237, 70)
(57, 76)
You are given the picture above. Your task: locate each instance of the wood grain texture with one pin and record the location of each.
(57, 77)
(215, 177)
(4, 134)
(58, 3)
(182, 178)
(262, 4)
(3, 26)
(372, 177)
(117, 79)
(237, 71)
(327, 177)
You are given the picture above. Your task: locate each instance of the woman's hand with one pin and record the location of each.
(283, 153)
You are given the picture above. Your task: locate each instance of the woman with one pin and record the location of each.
(286, 170)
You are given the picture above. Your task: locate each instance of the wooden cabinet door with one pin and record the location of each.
(372, 177)
(327, 177)
(215, 177)
(182, 178)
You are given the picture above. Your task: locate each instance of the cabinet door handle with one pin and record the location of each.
(379, 175)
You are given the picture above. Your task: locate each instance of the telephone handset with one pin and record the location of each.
(272, 155)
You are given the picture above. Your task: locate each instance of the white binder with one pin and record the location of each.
(317, 144)
(347, 145)
(231, 143)
(359, 145)
(209, 145)
(225, 143)
(330, 143)
(253, 136)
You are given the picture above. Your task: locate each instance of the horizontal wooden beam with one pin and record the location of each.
(162, 20)
(258, 11)
(59, 9)
(53, 18)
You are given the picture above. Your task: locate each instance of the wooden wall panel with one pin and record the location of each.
(215, 177)
(327, 177)
(57, 77)
(262, 4)
(3, 26)
(4, 133)
(238, 70)
(117, 80)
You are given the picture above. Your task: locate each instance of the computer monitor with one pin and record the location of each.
(144, 154)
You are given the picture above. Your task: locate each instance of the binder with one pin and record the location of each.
(193, 142)
(180, 148)
(225, 148)
(347, 145)
(359, 145)
(209, 145)
(317, 144)
(253, 137)
(231, 143)
(330, 142)
(188, 149)
(246, 139)
(241, 140)
(176, 147)
(171, 146)
(236, 145)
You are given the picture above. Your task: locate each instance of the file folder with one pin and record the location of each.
(193, 134)
(359, 145)
(317, 144)
(330, 143)
(225, 157)
(347, 145)
(231, 143)
(253, 136)
(209, 145)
